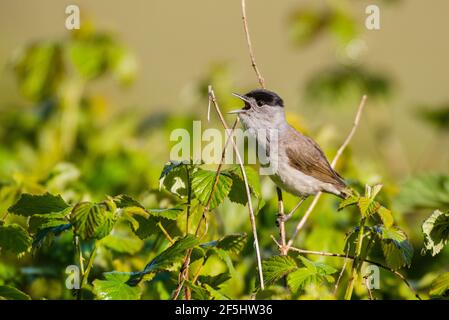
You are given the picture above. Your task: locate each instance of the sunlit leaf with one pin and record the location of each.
(277, 267)
(116, 287)
(122, 241)
(91, 220)
(30, 204)
(440, 286)
(202, 186)
(436, 232)
(312, 272)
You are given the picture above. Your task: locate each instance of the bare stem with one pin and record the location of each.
(340, 151)
(248, 192)
(250, 46)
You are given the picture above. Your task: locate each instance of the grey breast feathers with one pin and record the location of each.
(306, 155)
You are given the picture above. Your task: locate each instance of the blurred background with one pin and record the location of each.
(89, 112)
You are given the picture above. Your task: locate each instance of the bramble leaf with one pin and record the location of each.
(277, 267)
(116, 287)
(14, 238)
(30, 204)
(440, 286)
(436, 232)
(202, 186)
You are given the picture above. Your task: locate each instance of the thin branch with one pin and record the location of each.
(248, 192)
(281, 221)
(342, 270)
(338, 255)
(333, 163)
(250, 46)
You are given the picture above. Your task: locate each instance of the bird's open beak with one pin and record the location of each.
(241, 98)
(236, 111)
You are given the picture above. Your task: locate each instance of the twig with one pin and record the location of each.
(166, 234)
(248, 192)
(342, 270)
(250, 46)
(281, 221)
(333, 163)
(370, 294)
(338, 255)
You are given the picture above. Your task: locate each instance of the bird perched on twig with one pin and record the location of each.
(301, 167)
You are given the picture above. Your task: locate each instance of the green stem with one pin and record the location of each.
(77, 244)
(90, 263)
(357, 262)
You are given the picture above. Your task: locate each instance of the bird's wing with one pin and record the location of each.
(306, 155)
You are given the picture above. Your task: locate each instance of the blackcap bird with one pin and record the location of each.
(302, 168)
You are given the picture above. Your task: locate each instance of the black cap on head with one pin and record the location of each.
(263, 96)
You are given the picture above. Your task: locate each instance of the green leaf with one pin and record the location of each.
(351, 200)
(398, 252)
(115, 287)
(429, 191)
(47, 220)
(169, 213)
(277, 267)
(215, 281)
(39, 69)
(312, 272)
(14, 238)
(172, 254)
(11, 293)
(215, 294)
(202, 186)
(45, 233)
(93, 221)
(436, 232)
(30, 204)
(174, 177)
(122, 241)
(368, 206)
(232, 243)
(440, 286)
(386, 216)
(198, 292)
(125, 201)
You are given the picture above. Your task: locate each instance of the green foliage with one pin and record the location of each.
(172, 255)
(437, 116)
(424, 191)
(436, 232)
(11, 293)
(276, 267)
(93, 221)
(310, 273)
(203, 183)
(30, 204)
(440, 286)
(396, 248)
(115, 287)
(14, 238)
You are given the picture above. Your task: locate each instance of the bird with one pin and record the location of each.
(302, 168)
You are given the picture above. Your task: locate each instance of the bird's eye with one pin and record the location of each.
(259, 103)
